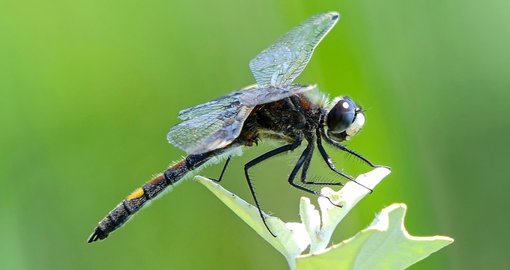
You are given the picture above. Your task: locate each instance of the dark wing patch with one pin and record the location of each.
(217, 123)
(213, 130)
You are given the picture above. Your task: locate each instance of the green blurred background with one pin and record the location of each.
(88, 90)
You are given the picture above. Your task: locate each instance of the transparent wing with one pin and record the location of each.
(268, 94)
(205, 108)
(210, 131)
(217, 123)
(284, 60)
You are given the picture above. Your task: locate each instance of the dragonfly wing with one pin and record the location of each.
(205, 108)
(285, 59)
(217, 123)
(263, 95)
(209, 131)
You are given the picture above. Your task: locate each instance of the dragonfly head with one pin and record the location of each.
(344, 120)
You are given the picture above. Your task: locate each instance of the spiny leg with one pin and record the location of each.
(301, 161)
(256, 161)
(222, 171)
(330, 163)
(345, 149)
(304, 171)
(304, 162)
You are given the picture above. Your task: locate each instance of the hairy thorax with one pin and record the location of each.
(288, 120)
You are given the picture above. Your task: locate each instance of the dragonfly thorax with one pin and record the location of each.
(344, 120)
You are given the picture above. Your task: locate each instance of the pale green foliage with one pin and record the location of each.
(383, 245)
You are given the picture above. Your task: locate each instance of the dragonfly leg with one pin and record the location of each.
(331, 165)
(256, 161)
(222, 171)
(345, 149)
(304, 172)
(304, 162)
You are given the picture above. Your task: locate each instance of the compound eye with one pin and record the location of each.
(341, 116)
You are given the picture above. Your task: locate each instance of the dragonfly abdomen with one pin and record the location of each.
(149, 191)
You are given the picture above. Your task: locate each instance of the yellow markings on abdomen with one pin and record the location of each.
(136, 194)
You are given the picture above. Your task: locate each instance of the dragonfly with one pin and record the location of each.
(273, 109)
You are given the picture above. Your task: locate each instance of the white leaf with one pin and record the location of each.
(383, 245)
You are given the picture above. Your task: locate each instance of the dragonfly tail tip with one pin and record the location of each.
(98, 234)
